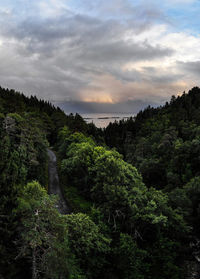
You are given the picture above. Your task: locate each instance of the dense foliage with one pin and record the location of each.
(135, 208)
(27, 127)
(134, 217)
(164, 145)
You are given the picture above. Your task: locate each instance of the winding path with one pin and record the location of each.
(54, 187)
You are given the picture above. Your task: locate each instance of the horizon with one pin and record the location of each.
(100, 57)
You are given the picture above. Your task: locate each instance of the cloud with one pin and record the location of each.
(191, 67)
(52, 8)
(114, 55)
(173, 2)
(132, 107)
(72, 51)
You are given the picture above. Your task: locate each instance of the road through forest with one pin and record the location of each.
(54, 186)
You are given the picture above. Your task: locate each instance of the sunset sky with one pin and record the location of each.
(100, 56)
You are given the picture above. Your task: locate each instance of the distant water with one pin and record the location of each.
(101, 120)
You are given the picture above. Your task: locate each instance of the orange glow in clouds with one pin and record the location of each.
(100, 97)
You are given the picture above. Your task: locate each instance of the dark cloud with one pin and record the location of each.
(93, 107)
(62, 56)
(83, 37)
(121, 52)
(158, 76)
(190, 67)
(74, 57)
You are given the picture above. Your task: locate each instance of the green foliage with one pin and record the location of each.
(192, 190)
(163, 143)
(134, 218)
(130, 261)
(27, 126)
(113, 184)
(76, 201)
(43, 234)
(125, 204)
(88, 243)
(84, 235)
(16, 117)
(164, 260)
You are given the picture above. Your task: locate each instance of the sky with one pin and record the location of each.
(113, 56)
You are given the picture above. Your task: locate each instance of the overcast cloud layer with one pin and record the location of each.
(100, 55)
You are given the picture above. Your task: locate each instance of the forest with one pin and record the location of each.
(133, 190)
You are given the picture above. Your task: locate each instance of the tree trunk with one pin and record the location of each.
(34, 268)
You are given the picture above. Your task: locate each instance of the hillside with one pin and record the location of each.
(135, 208)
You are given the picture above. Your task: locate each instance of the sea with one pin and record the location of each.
(101, 120)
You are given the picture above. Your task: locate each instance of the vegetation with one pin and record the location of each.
(133, 188)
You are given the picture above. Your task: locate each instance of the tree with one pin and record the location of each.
(129, 259)
(88, 243)
(42, 233)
